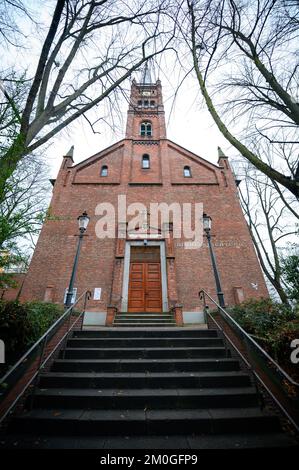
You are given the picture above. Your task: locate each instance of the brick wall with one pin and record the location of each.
(80, 187)
(11, 293)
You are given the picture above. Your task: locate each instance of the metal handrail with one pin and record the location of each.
(27, 353)
(42, 341)
(202, 295)
(269, 358)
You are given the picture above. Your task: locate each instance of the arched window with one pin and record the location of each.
(145, 104)
(139, 104)
(104, 170)
(146, 128)
(187, 172)
(145, 161)
(153, 104)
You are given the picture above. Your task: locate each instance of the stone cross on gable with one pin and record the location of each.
(146, 215)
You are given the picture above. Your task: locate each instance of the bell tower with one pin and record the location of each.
(146, 117)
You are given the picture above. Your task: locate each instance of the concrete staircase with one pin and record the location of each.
(144, 319)
(147, 388)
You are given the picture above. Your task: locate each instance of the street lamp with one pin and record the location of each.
(207, 225)
(83, 223)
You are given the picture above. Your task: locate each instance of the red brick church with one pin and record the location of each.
(150, 269)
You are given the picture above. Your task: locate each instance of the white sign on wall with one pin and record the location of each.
(97, 293)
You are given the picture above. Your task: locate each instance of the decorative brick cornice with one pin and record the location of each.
(145, 183)
(146, 142)
(193, 183)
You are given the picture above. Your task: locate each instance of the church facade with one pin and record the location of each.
(158, 263)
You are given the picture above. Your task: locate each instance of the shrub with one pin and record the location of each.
(280, 341)
(41, 316)
(273, 325)
(14, 326)
(261, 317)
(290, 271)
(21, 324)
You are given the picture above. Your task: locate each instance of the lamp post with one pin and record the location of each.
(207, 224)
(83, 223)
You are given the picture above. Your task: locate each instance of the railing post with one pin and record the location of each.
(202, 297)
(86, 297)
(206, 313)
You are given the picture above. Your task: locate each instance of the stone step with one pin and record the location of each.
(145, 365)
(174, 342)
(140, 422)
(124, 383)
(144, 315)
(163, 398)
(145, 333)
(144, 380)
(258, 440)
(139, 353)
(143, 321)
(141, 324)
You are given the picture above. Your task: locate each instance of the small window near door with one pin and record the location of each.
(145, 162)
(104, 170)
(187, 172)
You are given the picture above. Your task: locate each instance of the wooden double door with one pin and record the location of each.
(145, 291)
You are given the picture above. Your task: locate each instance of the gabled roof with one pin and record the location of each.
(194, 155)
(100, 154)
(103, 153)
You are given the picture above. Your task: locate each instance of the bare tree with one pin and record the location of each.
(271, 222)
(13, 89)
(90, 49)
(11, 12)
(245, 59)
(22, 212)
(25, 203)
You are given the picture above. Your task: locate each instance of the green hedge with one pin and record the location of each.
(273, 325)
(261, 317)
(22, 324)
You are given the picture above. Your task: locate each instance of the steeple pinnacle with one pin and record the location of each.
(70, 153)
(146, 78)
(68, 159)
(221, 153)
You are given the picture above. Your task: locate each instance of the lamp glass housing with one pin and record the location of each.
(207, 222)
(83, 221)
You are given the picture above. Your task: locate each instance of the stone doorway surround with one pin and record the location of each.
(125, 286)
